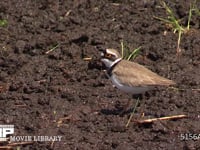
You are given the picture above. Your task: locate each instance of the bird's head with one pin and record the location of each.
(110, 57)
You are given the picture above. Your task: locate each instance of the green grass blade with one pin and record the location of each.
(134, 54)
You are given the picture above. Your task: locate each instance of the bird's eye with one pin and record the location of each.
(108, 55)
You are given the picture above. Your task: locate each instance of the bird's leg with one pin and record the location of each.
(127, 108)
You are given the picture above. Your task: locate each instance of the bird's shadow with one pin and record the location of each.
(119, 110)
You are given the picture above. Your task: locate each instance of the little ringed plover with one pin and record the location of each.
(129, 76)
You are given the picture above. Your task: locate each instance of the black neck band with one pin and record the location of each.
(109, 70)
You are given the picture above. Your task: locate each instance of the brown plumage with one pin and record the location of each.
(133, 74)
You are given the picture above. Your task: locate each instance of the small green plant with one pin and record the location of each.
(133, 112)
(195, 8)
(128, 54)
(175, 23)
(3, 23)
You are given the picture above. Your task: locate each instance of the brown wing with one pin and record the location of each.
(134, 74)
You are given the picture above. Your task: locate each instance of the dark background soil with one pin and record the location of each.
(58, 93)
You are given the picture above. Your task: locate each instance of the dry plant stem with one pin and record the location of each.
(178, 43)
(52, 49)
(18, 144)
(6, 147)
(61, 120)
(52, 144)
(11, 145)
(161, 118)
(177, 89)
(87, 58)
(22, 105)
(122, 49)
(195, 89)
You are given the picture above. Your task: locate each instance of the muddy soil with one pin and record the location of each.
(47, 88)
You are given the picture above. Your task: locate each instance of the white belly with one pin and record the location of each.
(128, 89)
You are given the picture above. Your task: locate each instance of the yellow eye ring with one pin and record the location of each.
(108, 55)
